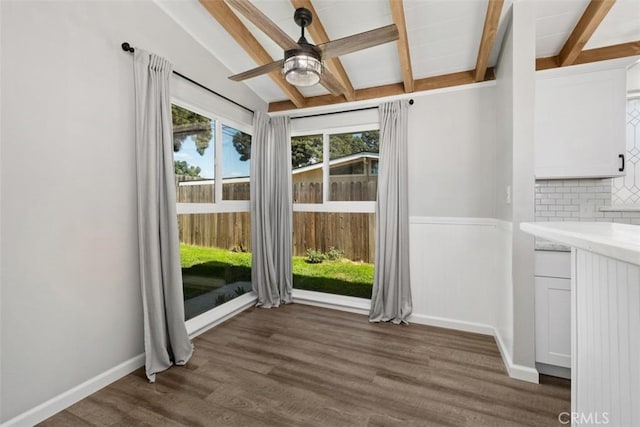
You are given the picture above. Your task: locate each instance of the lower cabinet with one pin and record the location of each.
(553, 312)
(553, 321)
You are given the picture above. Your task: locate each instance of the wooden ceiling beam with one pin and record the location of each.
(264, 24)
(584, 29)
(397, 13)
(429, 83)
(282, 39)
(622, 50)
(222, 13)
(319, 36)
(491, 22)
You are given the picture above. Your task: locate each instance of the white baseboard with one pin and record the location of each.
(195, 327)
(361, 306)
(459, 325)
(77, 393)
(335, 302)
(208, 320)
(519, 372)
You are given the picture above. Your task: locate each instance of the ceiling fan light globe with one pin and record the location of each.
(302, 70)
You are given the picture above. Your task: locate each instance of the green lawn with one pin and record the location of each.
(342, 277)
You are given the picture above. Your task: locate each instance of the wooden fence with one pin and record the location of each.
(221, 230)
(303, 192)
(352, 233)
(204, 193)
(355, 191)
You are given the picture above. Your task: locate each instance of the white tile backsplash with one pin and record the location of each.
(578, 200)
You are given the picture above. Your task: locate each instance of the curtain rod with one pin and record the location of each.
(128, 48)
(340, 112)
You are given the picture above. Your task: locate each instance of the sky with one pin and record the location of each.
(232, 165)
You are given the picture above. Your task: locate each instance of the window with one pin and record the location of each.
(236, 151)
(306, 167)
(193, 146)
(334, 177)
(351, 157)
(211, 163)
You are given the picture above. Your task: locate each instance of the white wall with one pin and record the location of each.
(452, 160)
(523, 181)
(1, 395)
(454, 267)
(451, 149)
(504, 181)
(452, 174)
(515, 79)
(452, 169)
(70, 307)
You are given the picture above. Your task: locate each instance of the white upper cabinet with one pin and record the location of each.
(580, 124)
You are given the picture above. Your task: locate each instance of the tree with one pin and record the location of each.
(189, 124)
(371, 140)
(306, 150)
(181, 167)
(345, 144)
(242, 144)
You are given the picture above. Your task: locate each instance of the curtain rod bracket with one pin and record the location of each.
(128, 48)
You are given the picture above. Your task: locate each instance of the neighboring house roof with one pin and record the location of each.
(206, 181)
(338, 161)
(241, 179)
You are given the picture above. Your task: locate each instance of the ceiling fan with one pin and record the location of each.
(302, 64)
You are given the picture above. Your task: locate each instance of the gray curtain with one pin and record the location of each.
(271, 210)
(391, 296)
(165, 336)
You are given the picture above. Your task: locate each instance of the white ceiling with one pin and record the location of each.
(444, 35)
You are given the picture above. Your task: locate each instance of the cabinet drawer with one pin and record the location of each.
(553, 264)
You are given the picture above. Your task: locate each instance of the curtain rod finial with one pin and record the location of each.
(127, 47)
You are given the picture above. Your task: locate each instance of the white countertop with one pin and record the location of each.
(620, 241)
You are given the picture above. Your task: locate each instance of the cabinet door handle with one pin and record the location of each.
(621, 156)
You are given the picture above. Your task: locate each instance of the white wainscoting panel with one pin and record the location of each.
(606, 339)
(504, 281)
(461, 278)
(454, 269)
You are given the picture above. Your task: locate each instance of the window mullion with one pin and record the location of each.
(217, 156)
(325, 167)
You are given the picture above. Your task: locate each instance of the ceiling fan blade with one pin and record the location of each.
(260, 20)
(258, 71)
(332, 84)
(359, 41)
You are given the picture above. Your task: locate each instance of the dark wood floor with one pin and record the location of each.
(306, 366)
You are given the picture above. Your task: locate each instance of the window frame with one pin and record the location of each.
(327, 205)
(219, 205)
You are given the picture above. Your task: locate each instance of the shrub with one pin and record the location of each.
(222, 298)
(240, 291)
(334, 254)
(314, 256)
